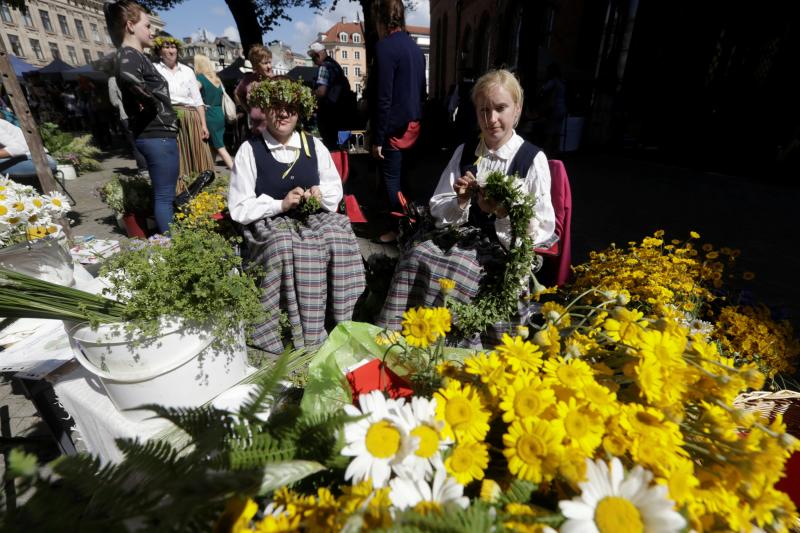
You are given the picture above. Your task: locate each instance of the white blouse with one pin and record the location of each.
(444, 203)
(184, 89)
(245, 207)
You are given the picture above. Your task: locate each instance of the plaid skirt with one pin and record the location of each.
(312, 271)
(195, 156)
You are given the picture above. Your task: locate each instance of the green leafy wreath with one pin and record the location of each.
(498, 297)
(288, 93)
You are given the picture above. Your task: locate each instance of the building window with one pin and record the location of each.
(344, 54)
(356, 38)
(46, 24)
(345, 71)
(95, 34)
(358, 72)
(37, 49)
(99, 54)
(343, 37)
(73, 56)
(62, 21)
(26, 17)
(357, 54)
(5, 13)
(16, 46)
(54, 51)
(358, 89)
(79, 28)
(87, 55)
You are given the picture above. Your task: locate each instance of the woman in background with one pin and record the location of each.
(261, 60)
(211, 89)
(184, 93)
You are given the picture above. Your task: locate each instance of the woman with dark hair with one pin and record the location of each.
(184, 94)
(145, 98)
(399, 78)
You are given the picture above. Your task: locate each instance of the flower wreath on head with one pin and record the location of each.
(161, 40)
(277, 93)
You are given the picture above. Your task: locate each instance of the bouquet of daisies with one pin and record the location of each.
(26, 215)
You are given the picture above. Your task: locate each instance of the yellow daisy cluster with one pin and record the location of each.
(751, 333)
(655, 272)
(619, 384)
(199, 211)
(323, 512)
(423, 326)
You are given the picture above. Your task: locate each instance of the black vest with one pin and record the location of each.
(270, 178)
(519, 165)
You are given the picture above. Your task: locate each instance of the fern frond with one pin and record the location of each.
(518, 492)
(261, 398)
(195, 421)
(453, 519)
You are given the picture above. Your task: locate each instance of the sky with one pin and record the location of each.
(190, 17)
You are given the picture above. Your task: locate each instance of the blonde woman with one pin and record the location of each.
(211, 89)
(459, 201)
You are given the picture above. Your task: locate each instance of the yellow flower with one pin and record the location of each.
(237, 515)
(387, 338)
(467, 462)
(694, 235)
(625, 324)
(3, 210)
(462, 412)
(533, 448)
(573, 374)
(556, 313)
(490, 369)
(420, 327)
(519, 354)
(526, 397)
(490, 490)
(582, 425)
(446, 285)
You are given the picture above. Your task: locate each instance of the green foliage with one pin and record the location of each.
(453, 519)
(127, 194)
(162, 486)
(519, 491)
(283, 94)
(498, 297)
(196, 278)
(68, 149)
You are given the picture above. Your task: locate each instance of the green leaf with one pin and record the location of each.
(518, 492)
(278, 475)
(21, 464)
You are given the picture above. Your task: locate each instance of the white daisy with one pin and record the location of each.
(375, 442)
(612, 501)
(419, 418)
(58, 202)
(444, 490)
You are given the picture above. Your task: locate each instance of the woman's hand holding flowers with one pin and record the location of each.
(292, 199)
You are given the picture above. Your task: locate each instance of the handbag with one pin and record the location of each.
(228, 107)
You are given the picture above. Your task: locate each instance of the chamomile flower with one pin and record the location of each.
(462, 412)
(443, 491)
(419, 418)
(58, 201)
(613, 501)
(375, 442)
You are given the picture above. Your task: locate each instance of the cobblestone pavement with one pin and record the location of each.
(615, 199)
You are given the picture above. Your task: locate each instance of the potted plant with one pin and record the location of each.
(173, 328)
(31, 240)
(74, 154)
(131, 199)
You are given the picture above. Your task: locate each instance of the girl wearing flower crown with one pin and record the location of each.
(285, 191)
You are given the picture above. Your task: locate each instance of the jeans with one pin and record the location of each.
(24, 168)
(162, 163)
(392, 174)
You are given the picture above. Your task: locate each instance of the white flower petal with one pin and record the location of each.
(576, 510)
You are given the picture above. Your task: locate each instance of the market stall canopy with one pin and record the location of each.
(20, 67)
(232, 72)
(56, 66)
(87, 71)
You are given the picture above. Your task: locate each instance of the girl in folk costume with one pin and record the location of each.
(285, 190)
(484, 226)
(184, 92)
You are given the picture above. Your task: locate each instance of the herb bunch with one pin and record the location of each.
(196, 277)
(498, 296)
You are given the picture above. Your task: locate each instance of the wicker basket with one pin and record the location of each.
(771, 404)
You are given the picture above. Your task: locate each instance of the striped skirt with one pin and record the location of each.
(313, 271)
(195, 156)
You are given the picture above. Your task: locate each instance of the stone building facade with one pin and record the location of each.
(210, 47)
(72, 30)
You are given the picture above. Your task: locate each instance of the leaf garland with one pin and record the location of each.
(498, 296)
(283, 93)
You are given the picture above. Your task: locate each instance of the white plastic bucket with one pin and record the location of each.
(186, 377)
(47, 259)
(110, 349)
(68, 171)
